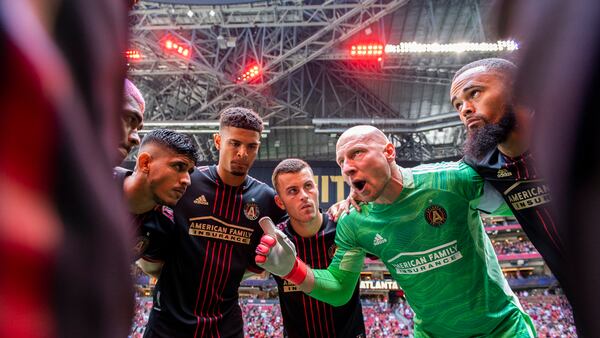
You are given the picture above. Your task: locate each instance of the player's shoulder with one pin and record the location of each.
(201, 172)
(351, 217)
(165, 213)
(439, 167)
(255, 186)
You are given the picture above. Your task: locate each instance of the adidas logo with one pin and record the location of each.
(201, 200)
(503, 173)
(378, 240)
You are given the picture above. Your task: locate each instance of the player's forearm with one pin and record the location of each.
(331, 286)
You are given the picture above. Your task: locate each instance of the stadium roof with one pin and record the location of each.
(309, 87)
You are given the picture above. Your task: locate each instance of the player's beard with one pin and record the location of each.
(481, 141)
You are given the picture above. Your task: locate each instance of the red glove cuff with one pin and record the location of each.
(298, 273)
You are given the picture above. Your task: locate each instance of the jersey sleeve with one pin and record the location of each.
(466, 182)
(336, 284)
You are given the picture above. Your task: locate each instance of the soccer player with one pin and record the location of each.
(160, 178)
(212, 243)
(313, 234)
(424, 225)
(497, 147)
(132, 118)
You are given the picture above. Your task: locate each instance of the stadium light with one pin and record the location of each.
(175, 46)
(367, 51)
(250, 74)
(133, 54)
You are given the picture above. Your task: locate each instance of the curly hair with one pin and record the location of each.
(240, 117)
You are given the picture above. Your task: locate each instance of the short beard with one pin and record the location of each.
(238, 173)
(481, 141)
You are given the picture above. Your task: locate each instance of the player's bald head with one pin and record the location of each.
(364, 133)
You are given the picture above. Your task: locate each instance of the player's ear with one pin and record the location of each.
(390, 152)
(217, 139)
(143, 162)
(279, 202)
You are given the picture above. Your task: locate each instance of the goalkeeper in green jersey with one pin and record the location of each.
(424, 225)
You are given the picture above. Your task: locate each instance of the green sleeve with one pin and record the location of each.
(336, 284)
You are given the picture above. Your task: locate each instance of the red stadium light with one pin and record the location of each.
(250, 74)
(172, 45)
(367, 51)
(133, 55)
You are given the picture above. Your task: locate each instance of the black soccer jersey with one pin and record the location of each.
(304, 316)
(528, 197)
(148, 226)
(210, 246)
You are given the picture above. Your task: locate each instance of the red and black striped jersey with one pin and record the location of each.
(528, 197)
(208, 249)
(304, 316)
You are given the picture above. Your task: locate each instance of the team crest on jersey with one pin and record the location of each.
(251, 211)
(331, 251)
(503, 173)
(435, 215)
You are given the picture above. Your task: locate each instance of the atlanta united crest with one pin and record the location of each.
(435, 215)
(251, 211)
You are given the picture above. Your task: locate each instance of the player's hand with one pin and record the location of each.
(275, 253)
(341, 207)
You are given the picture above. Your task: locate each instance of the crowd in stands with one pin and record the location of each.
(262, 321)
(384, 320)
(513, 246)
(498, 221)
(551, 314)
(143, 305)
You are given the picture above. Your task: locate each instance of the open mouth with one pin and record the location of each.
(359, 185)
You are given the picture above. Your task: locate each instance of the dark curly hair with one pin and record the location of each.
(239, 117)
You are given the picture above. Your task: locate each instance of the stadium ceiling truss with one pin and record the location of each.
(309, 90)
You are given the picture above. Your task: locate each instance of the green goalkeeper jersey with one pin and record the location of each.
(433, 243)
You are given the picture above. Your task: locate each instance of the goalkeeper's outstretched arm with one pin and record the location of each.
(277, 254)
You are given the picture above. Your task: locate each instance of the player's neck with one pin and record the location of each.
(137, 195)
(393, 187)
(307, 229)
(229, 179)
(519, 139)
(513, 146)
